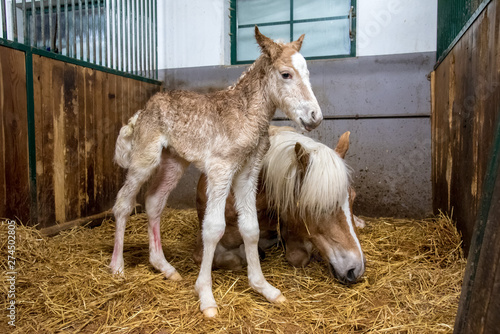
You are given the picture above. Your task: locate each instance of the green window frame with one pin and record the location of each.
(291, 27)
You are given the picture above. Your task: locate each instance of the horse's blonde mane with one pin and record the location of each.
(325, 183)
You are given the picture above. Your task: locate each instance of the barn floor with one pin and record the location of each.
(411, 285)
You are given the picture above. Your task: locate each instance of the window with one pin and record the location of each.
(329, 26)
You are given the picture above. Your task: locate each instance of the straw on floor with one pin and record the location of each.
(411, 285)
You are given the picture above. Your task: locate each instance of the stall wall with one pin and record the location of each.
(14, 173)
(465, 111)
(77, 114)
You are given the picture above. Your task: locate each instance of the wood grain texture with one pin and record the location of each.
(14, 172)
(78, 115)
(466, 101)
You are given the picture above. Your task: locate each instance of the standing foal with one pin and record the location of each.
(225, 134)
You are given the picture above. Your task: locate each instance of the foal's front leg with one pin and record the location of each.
(244, 192)
(218, 187)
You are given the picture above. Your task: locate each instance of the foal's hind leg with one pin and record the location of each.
(244, 192)
(141, 167)
(124, 204)
(169, 172)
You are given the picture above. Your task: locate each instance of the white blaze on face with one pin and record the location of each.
(299, 63)
(347, 213)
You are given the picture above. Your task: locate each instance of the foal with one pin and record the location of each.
(225, 135)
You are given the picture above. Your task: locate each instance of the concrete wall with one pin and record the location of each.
(383, 100)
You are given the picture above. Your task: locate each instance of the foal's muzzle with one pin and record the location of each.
(312, 120)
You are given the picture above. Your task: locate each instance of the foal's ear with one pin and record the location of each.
(267, 45)
(343, 144)
(298, 43)
(302, 157)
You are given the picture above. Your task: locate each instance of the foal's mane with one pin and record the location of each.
(321, 190)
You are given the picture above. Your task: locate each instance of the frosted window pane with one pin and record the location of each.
(324, 38)
(262, 11)
(311, 9)
(247, 46)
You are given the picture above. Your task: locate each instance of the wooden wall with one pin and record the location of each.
(78, 112)
(78, 115)
(14, 173)
(466, 100)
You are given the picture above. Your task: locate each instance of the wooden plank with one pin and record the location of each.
(83, 143)
(479, 304)
(90, 133)
(14, 179)
(99, 127)
(71, 130)
(59, 153)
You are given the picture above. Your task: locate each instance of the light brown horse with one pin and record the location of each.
(306, 185)
(225, 135)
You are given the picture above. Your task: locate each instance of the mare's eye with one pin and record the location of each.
(286, 75)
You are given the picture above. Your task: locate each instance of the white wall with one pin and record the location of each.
(395, 26)
(193, 33)
(196, 32)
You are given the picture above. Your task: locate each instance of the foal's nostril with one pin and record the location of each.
(313, 115)
(351, 277)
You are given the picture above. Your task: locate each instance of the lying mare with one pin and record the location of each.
(306, 184)
(225, 135)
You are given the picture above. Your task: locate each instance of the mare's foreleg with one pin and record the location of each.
(245, 192)
(218, 186)
(165, 180)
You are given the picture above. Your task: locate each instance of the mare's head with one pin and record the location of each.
(288, 81)
(316, 205)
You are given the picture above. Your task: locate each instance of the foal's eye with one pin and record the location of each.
(286, 75)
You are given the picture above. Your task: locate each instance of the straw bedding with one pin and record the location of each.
(411, 285)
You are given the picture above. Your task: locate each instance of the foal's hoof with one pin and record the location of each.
(175, 277)
(210, 312)
(280, 300)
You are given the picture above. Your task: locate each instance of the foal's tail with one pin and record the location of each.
(124, 142)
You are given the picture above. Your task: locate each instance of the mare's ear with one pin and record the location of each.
(267, 45)
(302, 157)
(298, 43)
(343, 144)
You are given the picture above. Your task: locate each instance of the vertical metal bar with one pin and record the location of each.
(111, 39)
(155, 30)
(291, 20)
(73, 14)
(136, 45)
(141, 35)
(156, 38)
(4, 19)
(87, 15)
(51, 33)
(33, 20)
(25, 24)
(94, 33)
(105, 34)
(66, 27)
(139, 39)
(127, 35)
(42, 20)
(98, 35)
(80, 9)
(58, 26)
(116, 33)
(14, 19)
(148, 38)
(121, 35)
